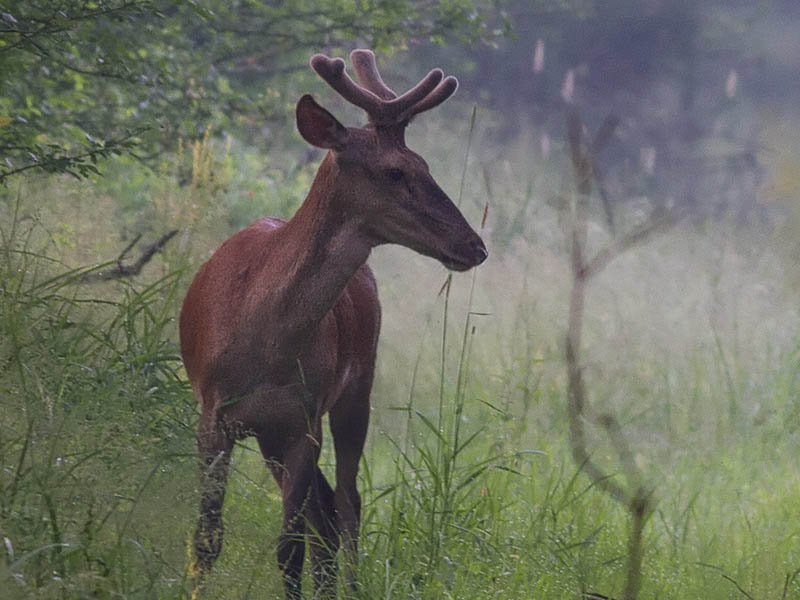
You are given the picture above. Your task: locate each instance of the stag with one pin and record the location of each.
(280, 325)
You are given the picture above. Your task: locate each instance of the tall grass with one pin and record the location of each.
(469, 487)
(96, 425)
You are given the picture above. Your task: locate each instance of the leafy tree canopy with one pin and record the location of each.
(84, 79)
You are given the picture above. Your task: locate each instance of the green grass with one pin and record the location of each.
(469, 487)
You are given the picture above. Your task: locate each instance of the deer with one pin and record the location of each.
(280, 325)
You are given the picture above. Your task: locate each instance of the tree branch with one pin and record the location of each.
(634, 496)
(64, 164)
(123, 271)
(605, 256)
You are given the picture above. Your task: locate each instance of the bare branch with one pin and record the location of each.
(604, 134)
(603, 258)
(128, 247)
(727, 578)
(635, 496)
(123, 271)
(576, 400)
(640, 511)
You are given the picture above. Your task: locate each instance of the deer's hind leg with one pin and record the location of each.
(214, 446)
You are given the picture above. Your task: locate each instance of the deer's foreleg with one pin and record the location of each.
(323, 538)
(307, 508)
(348, 420)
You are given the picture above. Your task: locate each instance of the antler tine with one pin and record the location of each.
(440, 93)
(382, 105)
(366, 69)
(399, 106)
(333, 72)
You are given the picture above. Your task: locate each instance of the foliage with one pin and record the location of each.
(94, 416)
(84, 79)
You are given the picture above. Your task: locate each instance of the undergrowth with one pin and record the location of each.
(468, 484)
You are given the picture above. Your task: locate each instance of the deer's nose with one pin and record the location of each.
(468, 254)
(479, 250)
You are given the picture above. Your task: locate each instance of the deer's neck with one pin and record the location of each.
(323, 248)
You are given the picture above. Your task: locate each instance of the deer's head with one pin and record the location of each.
(387, 187)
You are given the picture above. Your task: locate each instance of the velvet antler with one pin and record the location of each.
(366, 69)
(382, 105)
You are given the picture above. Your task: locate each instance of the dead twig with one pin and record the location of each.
(122, 271)
(635, 495)
(790, 577)
(727, 577)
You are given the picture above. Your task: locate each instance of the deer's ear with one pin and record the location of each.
(319, 127)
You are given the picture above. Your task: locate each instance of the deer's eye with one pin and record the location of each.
(396, 174)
